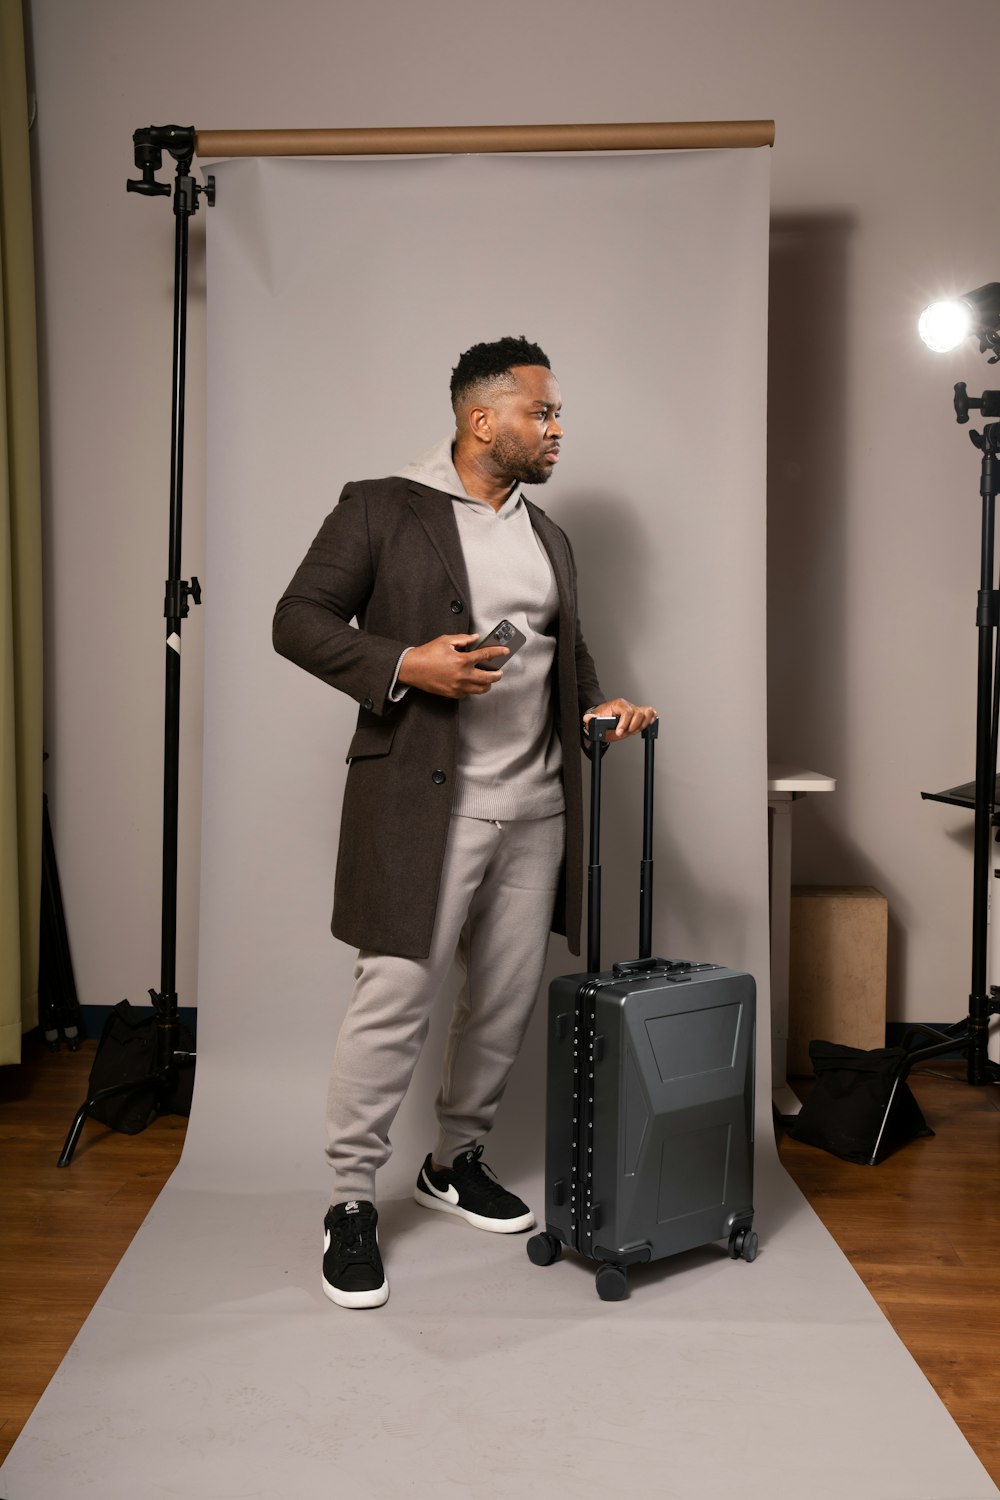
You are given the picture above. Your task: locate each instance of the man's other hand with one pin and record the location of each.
(441, 666)
(630, 718)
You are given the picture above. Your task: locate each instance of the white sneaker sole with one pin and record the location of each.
(374, 1298)
(495, 1226)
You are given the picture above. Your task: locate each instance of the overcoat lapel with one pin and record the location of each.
(554, 543)
(434, 512)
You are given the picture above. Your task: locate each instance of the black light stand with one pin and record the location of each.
(971, 1035)
(150, 143)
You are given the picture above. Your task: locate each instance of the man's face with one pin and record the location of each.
(526, 437)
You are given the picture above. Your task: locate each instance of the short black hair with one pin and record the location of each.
(485, 363)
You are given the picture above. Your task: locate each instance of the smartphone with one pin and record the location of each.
(504, 634)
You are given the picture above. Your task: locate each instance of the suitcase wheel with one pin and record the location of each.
(743, 1244)
(543, 1249)
(611, 1283)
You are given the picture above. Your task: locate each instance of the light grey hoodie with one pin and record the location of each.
(509, 755)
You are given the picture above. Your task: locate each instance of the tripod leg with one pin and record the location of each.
(113, 1091)
(69, 1146)
(164, 1081)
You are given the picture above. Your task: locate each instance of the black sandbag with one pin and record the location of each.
(126, 1053)
(846, 1109)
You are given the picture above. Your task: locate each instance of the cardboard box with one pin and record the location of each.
(837, 969)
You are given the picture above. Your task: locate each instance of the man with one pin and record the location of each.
(462, 829)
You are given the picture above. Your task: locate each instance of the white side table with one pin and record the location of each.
(785, 785)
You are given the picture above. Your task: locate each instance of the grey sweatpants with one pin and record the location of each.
(498, 888)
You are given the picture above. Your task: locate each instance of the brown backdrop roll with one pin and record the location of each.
(677, 135)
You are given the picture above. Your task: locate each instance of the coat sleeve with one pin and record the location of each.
(589, 692)
(331, 587)
(589, 689)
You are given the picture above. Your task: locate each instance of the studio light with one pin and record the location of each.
(944, 325)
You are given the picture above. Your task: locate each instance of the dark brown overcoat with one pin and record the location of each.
(389, 556)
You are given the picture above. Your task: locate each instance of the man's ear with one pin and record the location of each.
(480, 420)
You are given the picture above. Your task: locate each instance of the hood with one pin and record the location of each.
(435, 469)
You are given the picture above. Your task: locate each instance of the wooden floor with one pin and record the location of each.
(62, 1231)
(922, 1229)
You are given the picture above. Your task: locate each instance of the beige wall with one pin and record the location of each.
(883, 195)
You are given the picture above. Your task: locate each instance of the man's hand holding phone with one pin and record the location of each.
(453, 666)
(505, 637)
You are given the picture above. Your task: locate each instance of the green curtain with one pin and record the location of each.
(20, 561)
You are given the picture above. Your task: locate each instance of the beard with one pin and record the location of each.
(516, 463)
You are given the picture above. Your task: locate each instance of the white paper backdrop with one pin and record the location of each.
(340, 295)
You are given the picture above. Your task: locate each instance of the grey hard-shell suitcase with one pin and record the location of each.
(650, 1095)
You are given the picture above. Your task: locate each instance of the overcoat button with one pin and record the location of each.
(457, 606)
(438, 777)
(367, 704)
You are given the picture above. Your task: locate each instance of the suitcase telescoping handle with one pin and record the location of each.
(646, 867)
(595, 745)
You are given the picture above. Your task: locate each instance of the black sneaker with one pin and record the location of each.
(469, 1189)
(352, 1267)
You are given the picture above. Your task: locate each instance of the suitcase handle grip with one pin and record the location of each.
(636, 966)
(594, 732)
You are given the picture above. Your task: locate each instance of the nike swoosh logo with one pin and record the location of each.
(326, 1241)
(449, 1195)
